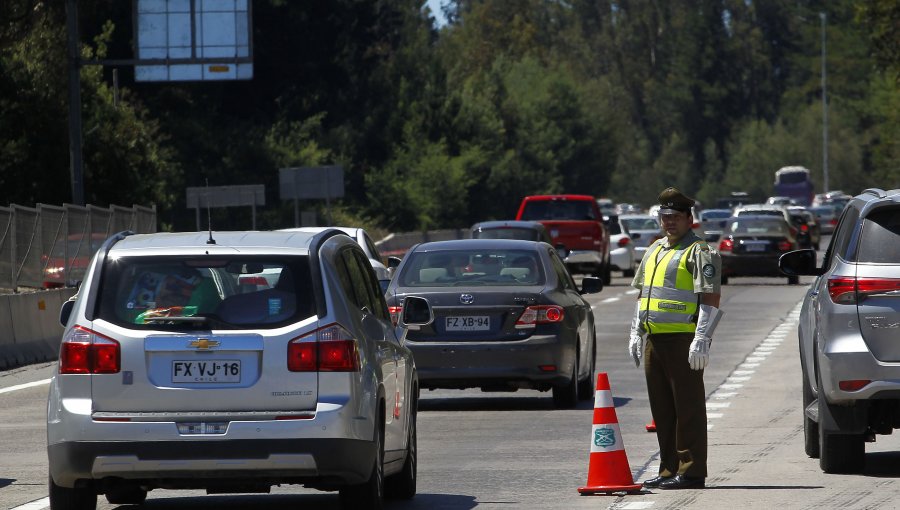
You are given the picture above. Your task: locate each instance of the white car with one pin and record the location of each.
(365, 241)
(644, 229)
(621, 247)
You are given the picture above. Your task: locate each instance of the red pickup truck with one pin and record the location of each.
(576, 223)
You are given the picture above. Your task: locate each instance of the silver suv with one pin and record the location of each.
(232, 362)
(849, 327)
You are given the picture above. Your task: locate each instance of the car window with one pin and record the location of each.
(370, 246)
(359, 281)
(376, 297)
(880, 238)
(558, 210)
(185, 293)
(562, 274)
(526, 234)
(844, 232)
(632, 224)
(448, 268)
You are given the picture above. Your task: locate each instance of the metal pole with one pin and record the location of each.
(74, 65)
(823, 16)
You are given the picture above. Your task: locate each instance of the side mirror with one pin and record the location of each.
(591, 285)
(800, 263)
(562, 251)
(393, 262)
(65, 311)
(416, 312)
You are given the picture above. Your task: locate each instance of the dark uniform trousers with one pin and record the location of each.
(678, 404)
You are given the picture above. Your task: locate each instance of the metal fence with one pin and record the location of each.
(50, 246)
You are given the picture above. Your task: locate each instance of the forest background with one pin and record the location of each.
(440, 127)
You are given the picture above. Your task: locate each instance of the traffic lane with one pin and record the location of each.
(756, 453)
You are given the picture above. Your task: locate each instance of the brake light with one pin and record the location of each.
(623, 242)
(253, 280)
(540, 314)
(83, 351)
(395, 312)
(804, 227)
(726, 245)
(870, 286)
(853, 385)
(327, 349)
(785, 245)
(842, 290)
(832, 221)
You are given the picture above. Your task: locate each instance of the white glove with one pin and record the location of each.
(707, 320)
(699, 353)
(636, 347)
(636, 338)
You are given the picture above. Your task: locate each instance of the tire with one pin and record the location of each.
(839, 453)
(586, 386)
(370, 494)
(607, 274)
(628, 273)
(64, 498)
(403, 484)
(810, 427)
(565, 397)
(132, 495)
(793, 280)
(724, 280)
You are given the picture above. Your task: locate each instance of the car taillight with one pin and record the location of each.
(327, 349)
(842, 290)
(395, 312)
(854, 385)
(540, 314)
(83, 351)
(623, 242)
(869, 286)
(785, 245)
(253, 280)
(832, 221)
(726, 245)
(804, 227)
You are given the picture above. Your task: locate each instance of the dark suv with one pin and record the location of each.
(849, 325)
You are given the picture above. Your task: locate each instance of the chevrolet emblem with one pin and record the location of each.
(203, 344)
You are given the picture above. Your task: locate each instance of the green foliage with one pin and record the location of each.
(443, 128)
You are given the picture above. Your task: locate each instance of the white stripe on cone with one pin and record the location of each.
(603, 398)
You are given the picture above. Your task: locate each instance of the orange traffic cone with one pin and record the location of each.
(608, 469)
(651, 427)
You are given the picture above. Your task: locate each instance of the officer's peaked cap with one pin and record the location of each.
(672, 200)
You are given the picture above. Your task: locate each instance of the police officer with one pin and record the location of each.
(679, 282)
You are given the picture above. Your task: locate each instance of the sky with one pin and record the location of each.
(436, 11)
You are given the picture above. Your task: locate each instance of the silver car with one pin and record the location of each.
(178, 370)
(508, 315)
(365, 242)
(644, 229)
(849, 353)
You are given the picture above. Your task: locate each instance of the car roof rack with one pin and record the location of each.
(878, 192)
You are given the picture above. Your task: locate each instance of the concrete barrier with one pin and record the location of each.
(29, 327)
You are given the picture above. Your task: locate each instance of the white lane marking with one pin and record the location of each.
(743, 372)
(610, 300)
(38, 504)
(731, 386)
(736, 379)
(631, 292)
(717, 405)
(714, 416)
(756, 359)
(722, 395)
(748, 365)
(709, 426)
(636, 505)
(23, 386)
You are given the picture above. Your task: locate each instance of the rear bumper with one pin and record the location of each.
(585, 257)
(494, 365)
(621, 259)
(751, 265)
(205, 464)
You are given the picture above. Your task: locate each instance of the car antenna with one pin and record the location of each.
(209, 216)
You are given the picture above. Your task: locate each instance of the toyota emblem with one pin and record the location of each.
(466, 299)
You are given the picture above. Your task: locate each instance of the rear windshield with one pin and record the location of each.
(759, 226)
(715, 215)
(449, 268)
(880, 242)
(792, 178)
(525, 234)
(558, 210)
(189, 293)
(633, 224)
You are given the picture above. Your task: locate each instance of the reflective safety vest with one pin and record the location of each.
(668, 301)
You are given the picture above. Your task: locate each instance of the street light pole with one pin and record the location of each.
(823, 17)
(74, 67)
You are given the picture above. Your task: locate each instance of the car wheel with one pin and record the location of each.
(607, 274)
(810, 427)
(586, 386)
(127, 495)
(64, 498)
(724, 280)
(793, 280)
(403, 484)
(566, 396)
(368, 495)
